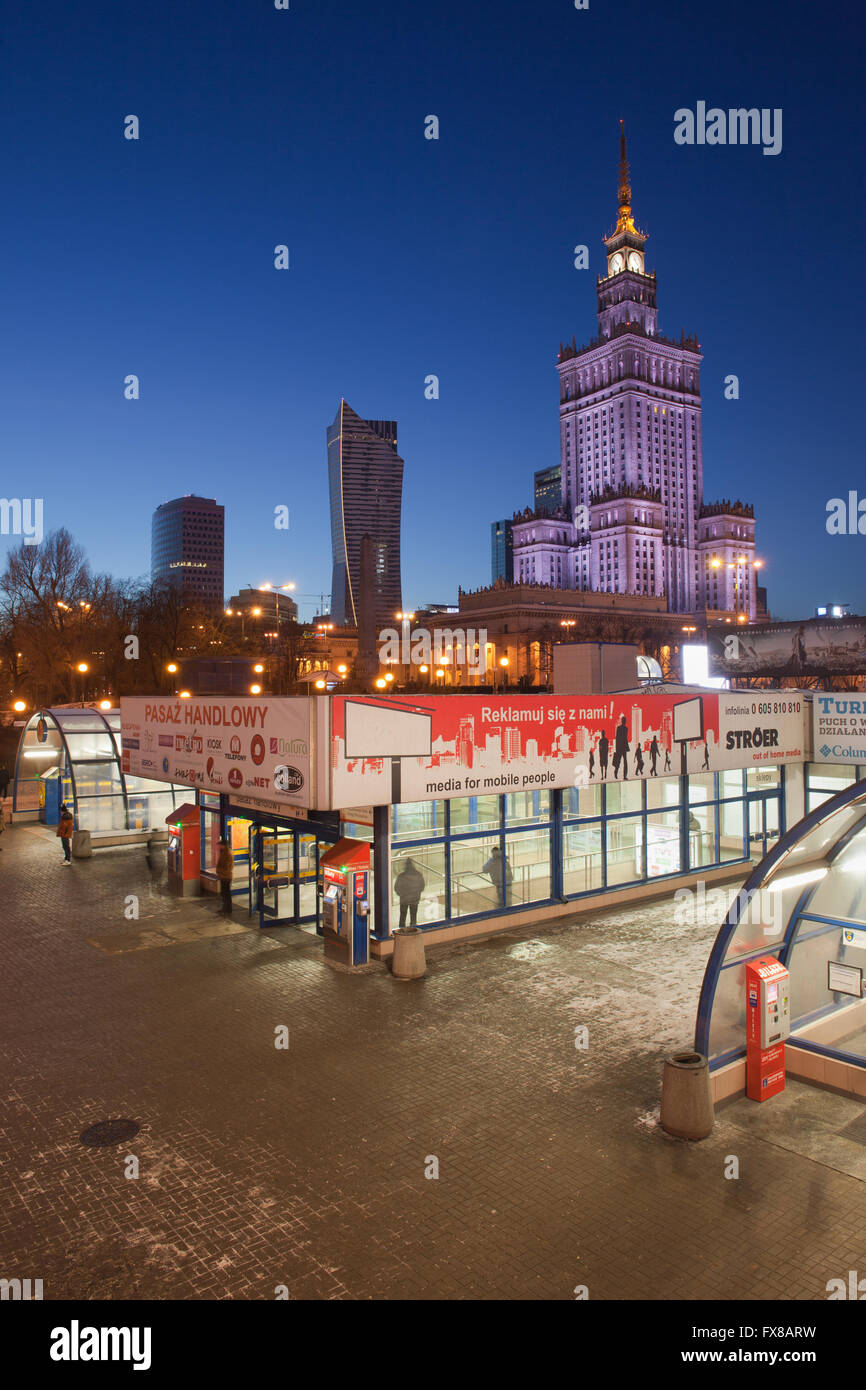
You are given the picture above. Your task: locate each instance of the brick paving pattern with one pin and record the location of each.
(261, 1167)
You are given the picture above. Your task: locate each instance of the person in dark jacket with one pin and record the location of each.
(64, 832)
(622, 747)
(409, 885)
(225, 867)
(4, 781)
(638, 760)
(499, 870)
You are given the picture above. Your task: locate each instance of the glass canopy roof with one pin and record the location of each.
(805, 904)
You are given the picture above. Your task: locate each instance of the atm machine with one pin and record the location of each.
(768, 1023)
(346, 902)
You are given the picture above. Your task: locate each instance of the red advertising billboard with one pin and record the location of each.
(418, 748)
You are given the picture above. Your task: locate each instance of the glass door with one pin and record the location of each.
(763, 823)
(308, 874)
(277, 873)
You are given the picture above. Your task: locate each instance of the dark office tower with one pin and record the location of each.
(366, 482)
(188, 548)
(501, 551)
(548, 490)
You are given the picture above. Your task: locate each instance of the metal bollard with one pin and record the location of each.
(687, 1100)
(408, 961)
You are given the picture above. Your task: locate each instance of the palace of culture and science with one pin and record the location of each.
(633, 518)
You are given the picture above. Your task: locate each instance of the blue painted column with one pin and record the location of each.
(556, 841)
(382, 872)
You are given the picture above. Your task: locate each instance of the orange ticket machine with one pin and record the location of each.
(184, 851)
(346, 902)
(768, 1024)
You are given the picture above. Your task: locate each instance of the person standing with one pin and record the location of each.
(603, 750)
(499, 870)
(64, 832)
(4, 781)
(591, 765)
(409, 885)
(225, 867)
(622, 746)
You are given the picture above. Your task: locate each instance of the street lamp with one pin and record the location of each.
(258, 668)
(172, 667)
(255, 690)
(19, 706)
(380, 683)
(184, 694)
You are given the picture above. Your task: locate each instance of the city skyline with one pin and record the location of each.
(167, 271)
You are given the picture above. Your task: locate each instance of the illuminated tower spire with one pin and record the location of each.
(624, 222)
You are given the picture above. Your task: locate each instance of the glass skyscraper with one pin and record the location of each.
(188, 548)
(365, 474)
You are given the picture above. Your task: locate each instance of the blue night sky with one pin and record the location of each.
(411, 257)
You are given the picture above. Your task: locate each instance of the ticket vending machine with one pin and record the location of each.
(346, 902)
(184, 851)
(768, 1023)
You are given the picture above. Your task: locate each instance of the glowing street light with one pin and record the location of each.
(172, 667)
(184, 694)
(105, 704)
(389, 676)
(258, 667)
(381, 683)
(255, 690)
(82, 667)
(320, 685)
(19, 706)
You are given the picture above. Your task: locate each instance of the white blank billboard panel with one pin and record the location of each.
(374, 731)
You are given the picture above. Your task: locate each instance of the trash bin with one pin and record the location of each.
(81, 846)
(687, 1099)
(408, 961)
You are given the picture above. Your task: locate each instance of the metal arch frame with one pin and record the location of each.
(759, 875)
(31, 722)
(52, 715)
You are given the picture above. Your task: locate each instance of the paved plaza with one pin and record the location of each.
(305, 1167)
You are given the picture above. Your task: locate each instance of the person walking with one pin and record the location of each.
(4, 781)
(64, 832)
(654, 751)
(591, 765)
(499, 870)
(409, 885)
(603, 750)
(638, 760)
(225, 866)
(706, 761)
(667, 760)
(622, 747)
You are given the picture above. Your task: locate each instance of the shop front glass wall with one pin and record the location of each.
(477, 855)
